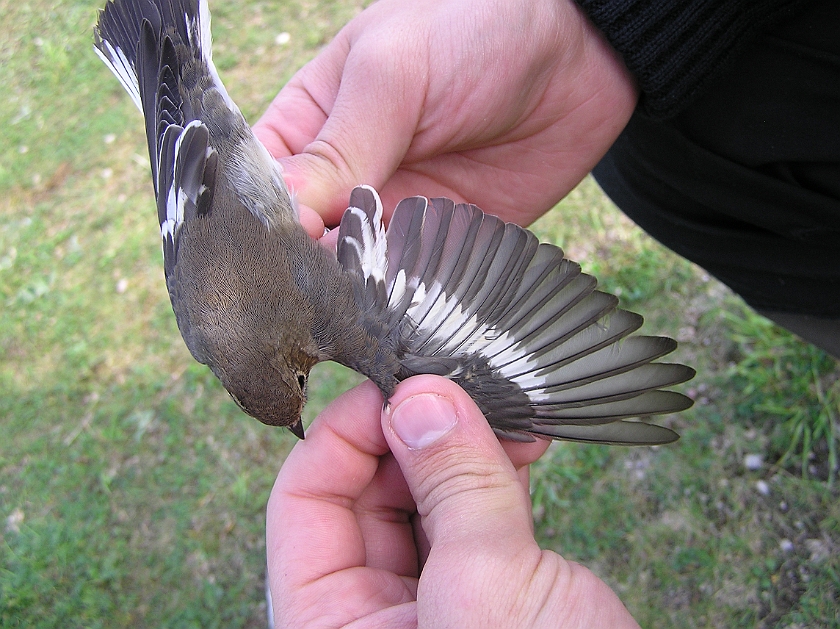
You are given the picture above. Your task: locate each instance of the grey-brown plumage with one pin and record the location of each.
(447, 290)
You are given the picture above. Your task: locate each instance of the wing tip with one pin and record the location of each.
(620, 433)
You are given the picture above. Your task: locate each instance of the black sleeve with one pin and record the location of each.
(674, 47)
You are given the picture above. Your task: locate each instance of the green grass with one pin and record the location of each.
(132, 490)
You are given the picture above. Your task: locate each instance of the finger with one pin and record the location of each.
(521, 453)
(330, 240)
(474, 510)
(318, 484)
(311, 221)
(299, 111)
(292, 120)
(290, 123)
(314, 544)
(465, 487)
(384, 514)
(364, 132)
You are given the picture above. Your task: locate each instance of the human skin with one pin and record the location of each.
(507, 104)
(417, 515)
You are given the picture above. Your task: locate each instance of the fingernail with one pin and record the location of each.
(422, 419)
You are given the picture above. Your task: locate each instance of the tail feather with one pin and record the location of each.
(147, 45)
(160, 50)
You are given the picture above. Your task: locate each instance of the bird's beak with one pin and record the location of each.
(297, 429)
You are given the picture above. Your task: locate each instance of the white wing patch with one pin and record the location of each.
(464, 334)
(176, 195)
(372, 250)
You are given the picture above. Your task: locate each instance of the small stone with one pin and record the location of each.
(282, 39)
(762, 487)
(753, 462)
(122, 285)
(819, 549)
(786, 545)
(14, 520)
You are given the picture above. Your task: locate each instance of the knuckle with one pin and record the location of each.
(464, 476)
(330, 157)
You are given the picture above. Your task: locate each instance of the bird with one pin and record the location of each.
(445, 290)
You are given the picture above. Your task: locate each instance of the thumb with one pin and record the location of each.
(346, 118)
(465, 486)
(483, 564)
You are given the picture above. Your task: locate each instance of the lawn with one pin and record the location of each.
(132, 489)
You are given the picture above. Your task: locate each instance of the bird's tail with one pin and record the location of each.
(148, 45)
(512, 321)
(160, 50)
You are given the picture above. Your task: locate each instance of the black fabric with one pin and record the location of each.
(824, 333)
(674, 47)
(746, 181)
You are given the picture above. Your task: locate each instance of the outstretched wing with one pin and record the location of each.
(515, 323)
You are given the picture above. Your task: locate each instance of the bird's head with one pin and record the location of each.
(272, 390)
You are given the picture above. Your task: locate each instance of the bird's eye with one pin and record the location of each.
(302, 382)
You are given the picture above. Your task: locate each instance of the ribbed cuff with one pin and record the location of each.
(674, 48)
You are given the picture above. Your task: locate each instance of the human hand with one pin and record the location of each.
(417, 516)
(503, 103)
